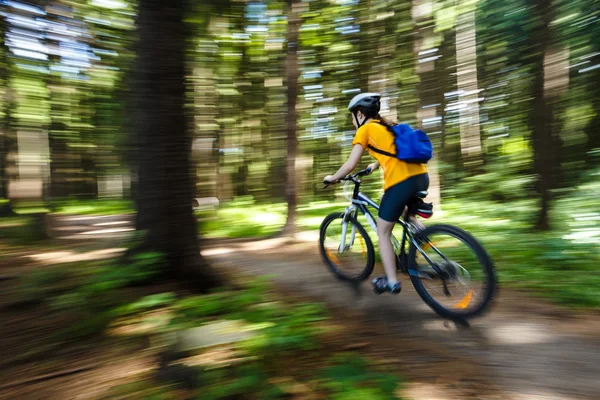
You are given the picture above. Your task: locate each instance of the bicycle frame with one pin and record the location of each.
(361, 202)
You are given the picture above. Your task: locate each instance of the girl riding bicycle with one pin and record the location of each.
(401, 180)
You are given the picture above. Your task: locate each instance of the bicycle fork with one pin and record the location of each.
(343, 246)
(344, 232)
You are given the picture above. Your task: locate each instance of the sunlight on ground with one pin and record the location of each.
(217, 252)
(112, 223)
(539, 395)
(518, 334)
(307, 236)
(105, 231)
(218, 357)
(423, 391)
(150, 322)
(57, 257)
(264, 244)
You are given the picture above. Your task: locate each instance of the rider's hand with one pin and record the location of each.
(372, 167)
(330, 179)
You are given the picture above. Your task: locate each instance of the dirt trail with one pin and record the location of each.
(528, 348)
(524, 349)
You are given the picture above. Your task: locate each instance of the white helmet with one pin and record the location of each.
(367, 100)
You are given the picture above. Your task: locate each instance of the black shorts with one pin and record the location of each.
(397, 197)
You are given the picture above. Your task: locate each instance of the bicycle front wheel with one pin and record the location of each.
(452, 272)
(346, 248)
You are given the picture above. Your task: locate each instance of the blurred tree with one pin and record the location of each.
(7, 103)
(430, 94)
(544, 138)
(165, 192)
(468, 88)
(292, 74)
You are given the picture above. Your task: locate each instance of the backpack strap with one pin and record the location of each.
(385, 153)
(376, 150)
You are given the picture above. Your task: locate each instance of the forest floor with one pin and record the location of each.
(524, 348)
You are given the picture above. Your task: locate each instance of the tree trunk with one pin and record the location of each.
(365, 45)
(466, 81)
(292, 72)
(165, 191)
(7, 137)
(4, 127)
(446, 83)
(427, 89)
(592, 147)
(546, 93)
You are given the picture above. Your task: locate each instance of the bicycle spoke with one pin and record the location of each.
(345, 247)
(463, 280)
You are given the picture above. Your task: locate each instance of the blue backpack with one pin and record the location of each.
(412, 145)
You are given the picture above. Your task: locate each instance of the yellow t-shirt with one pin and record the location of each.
(394, 170)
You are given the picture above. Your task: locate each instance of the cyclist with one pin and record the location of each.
(401, 180)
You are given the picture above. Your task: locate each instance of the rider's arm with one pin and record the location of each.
(373, 166)
(357, 152)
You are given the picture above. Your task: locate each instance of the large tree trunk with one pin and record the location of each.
(165, 192)
(546, 91)
(292, 72)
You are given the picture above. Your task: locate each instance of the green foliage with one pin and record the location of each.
(38, 285)
(559, 265)
(198, 307)
(144, 389)
(147, 303)
(287, 330)
(93, 207)
(296, 329)
(244, 218)
(94, 296)
(246, 379)
(351, 377)
(143, 267)
(236, 304)
(23, 230)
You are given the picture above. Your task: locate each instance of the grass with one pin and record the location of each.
(94, 207)
(243, 218)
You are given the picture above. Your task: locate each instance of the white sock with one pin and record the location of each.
(392, 282)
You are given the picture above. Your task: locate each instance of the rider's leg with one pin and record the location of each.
(392, 204)
(421, 183)
(388, 257)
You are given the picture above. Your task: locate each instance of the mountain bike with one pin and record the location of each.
(448, 267)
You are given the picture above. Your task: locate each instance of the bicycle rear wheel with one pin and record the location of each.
(347, 251)
(467, 283)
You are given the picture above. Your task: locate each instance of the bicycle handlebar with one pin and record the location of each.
(352, 178)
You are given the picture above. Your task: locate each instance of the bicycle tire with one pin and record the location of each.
(370, 259)
(484, 260)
